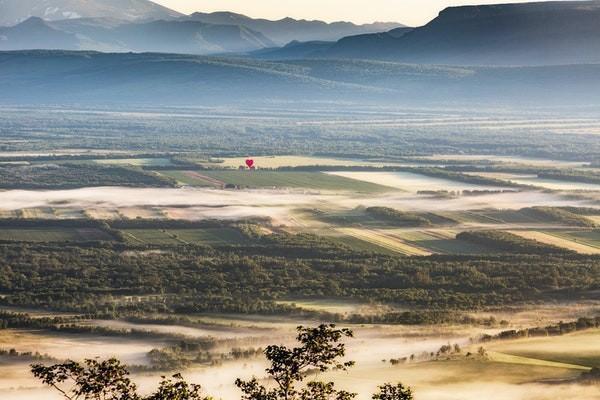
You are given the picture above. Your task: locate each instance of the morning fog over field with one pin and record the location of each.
(181, 190)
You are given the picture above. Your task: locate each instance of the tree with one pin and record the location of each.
(320, 348)
(108, 380)
(393, 392)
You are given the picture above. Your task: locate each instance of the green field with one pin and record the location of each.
(53, 234)
(287, 179)
(288, 161)
(188, 178)
(580, 348)
(360, 245)
(138, 162)
(440, 242)
(208, 236)
(589, 238)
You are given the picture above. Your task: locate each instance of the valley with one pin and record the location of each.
(168, 247)
(208, 204)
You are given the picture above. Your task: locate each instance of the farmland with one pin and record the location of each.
(385, 240)
(166, 236)
(576, 349)
(137, 162)
(53, 234)
(209, 236)
(306, 180)
(574, 242)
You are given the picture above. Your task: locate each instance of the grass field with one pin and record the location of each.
(102, 213)
(69, 213)
(439, 241)
(594, 218)
(579, 349)
(290, 161)
(385, 240)
(191, 178)
(286, 179)
(208, 236)
(52, 234)
(411, 182)
(138, 162)
(589, 238)
(40, 212)
(558, 240)
(140, 212)
(341, 306)
(534, 180)
(512, 359)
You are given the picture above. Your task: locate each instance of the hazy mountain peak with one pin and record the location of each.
(542, 33)
(14, 11)
(288, 29)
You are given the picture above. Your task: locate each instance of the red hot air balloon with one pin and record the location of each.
(250, 163)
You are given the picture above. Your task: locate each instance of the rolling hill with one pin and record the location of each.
(542, 33)
(162, 79)
(13, 12)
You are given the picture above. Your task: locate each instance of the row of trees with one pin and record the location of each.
(251, 278)
(321, 349)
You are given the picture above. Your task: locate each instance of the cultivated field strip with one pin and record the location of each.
(385, 240)
(558, 241)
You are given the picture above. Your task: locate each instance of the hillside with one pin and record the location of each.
(14, 11)
(541, 33)
(36, 33)
(106, 34)
(288, 29)
(87, 77)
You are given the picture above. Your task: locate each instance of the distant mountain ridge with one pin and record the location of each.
(541, 33)
(13, 12)
(106, 34)
(143, 26)
(287, 30)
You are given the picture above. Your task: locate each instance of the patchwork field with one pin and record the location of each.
(530, 161)
(557, 239)
(534, 180)
(39, 212)
(307, 180)
(140, 212)
(51, 234)
(290, 161)
(594, 218)
(579, 350)
(342, 306)
(440, 241)
(411, 182)
(385, 240)
(207, 236)
(138, 162)
(192, 178)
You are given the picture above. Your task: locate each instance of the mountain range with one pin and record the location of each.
(288, 29)
(526, 34)
(140, 25)
(13, 12)
(541, 33)
(106, 34)
(92, 78)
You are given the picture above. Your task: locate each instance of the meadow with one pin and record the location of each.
(56, 234)
(285, 179)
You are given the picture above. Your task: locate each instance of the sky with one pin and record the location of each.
(408, 12)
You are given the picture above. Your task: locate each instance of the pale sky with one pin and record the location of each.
(409, 12)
